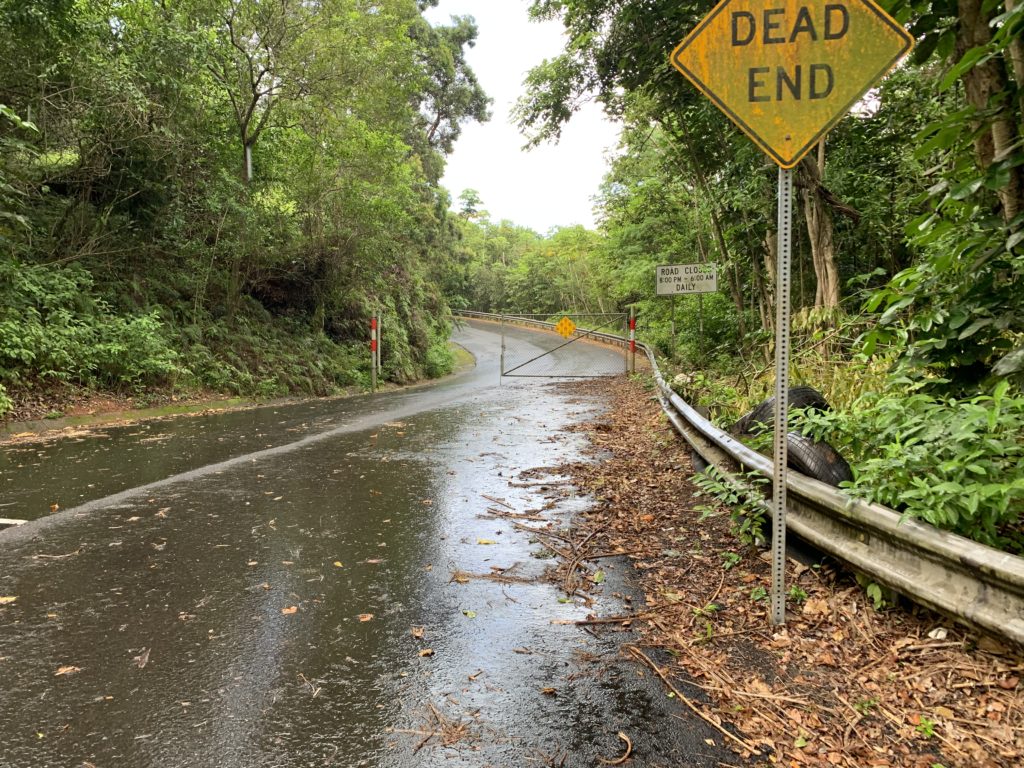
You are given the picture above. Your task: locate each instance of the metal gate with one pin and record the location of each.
(569, 345)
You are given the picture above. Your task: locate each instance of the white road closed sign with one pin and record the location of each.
(674, 279)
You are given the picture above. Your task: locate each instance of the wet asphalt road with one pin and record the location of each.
(261, 588)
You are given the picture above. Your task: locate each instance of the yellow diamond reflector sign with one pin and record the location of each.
(565, 327)
(786, 71)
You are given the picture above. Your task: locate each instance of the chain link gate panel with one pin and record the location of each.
(566, 346)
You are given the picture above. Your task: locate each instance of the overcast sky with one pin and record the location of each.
(551, 185)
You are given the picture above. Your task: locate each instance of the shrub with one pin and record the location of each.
(53, 326)
(957, 464)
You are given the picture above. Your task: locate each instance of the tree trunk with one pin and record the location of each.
(820, 232)
(246, 163)
(981, 83)
(766, 287)
(1017, 57)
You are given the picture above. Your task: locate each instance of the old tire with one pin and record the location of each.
(764, 414)
(817, 459)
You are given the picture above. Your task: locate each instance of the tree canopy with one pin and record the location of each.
(228, 169)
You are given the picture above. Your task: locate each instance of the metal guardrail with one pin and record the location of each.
(959, 578)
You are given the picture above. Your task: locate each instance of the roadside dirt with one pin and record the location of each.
(842, 684)
(69, 401)
(76, 413)
(43, 414)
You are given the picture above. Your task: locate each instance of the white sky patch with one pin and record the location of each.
(551, 185)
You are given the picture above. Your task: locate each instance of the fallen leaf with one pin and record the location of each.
(598, 577)
(66, 670)
(524, 651)
(289, 610)
(427, 652)
(366, 617)
(1009, 683)
(337, 564)
(142, 659)
(469, 614)
(54, 507)
(816, 607)
(486, 541)
(373, 562)
(549, 691)
(7, 599)
(417, 632)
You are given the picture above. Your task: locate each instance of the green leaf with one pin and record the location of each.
(1010, 363)
(966, 189)
(968, 61)
(974, 327)
(891, 311)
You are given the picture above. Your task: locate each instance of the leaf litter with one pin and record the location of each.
(842, 684)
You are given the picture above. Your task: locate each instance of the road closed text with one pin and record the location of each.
(808, 24)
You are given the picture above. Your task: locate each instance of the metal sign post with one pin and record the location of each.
(785, 252)
(632, 339)
(380, 343)
(673, 325)
(373, 353)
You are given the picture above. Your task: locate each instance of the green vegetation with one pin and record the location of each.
(217, 194)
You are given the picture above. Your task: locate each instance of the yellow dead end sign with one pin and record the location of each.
(565, 327)
(786, 71)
